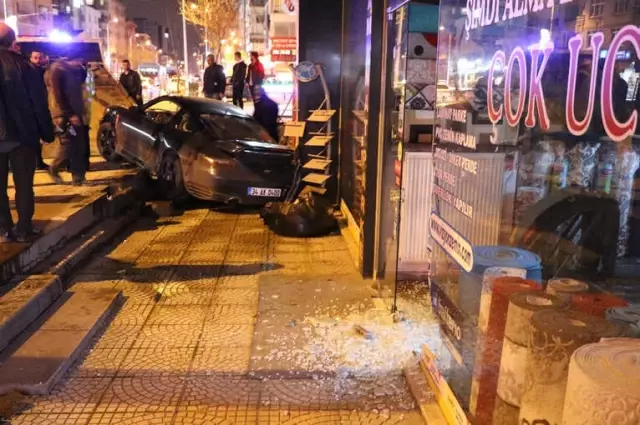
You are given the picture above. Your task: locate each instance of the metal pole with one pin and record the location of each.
(4, 7)
(184, 40)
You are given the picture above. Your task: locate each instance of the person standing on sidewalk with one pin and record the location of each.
(24, 121)
(214, 80)
(39, 61)
(131, 82)
(65, 80)
(255, 73)
(238, 80)
(266, 112)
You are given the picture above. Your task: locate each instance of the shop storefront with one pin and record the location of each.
(534, 208)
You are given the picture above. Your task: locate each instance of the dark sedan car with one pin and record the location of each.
(200, 147)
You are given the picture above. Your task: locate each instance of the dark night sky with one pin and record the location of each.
(165, 12)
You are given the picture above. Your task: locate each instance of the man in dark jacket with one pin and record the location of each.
(39, 62)
(131, 82)
(255, 73)
(266, 112)
(65, 81)
(238, 80)
(24, 121)
(214, 80)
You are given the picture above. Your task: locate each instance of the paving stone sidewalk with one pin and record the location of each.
(178, 351)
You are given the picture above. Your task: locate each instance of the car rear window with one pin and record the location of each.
(232, 127)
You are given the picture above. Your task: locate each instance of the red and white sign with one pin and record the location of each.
(289, 7)
(284, 49)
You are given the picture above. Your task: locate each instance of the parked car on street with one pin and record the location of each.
(200, 147)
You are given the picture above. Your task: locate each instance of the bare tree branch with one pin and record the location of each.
(219, 17)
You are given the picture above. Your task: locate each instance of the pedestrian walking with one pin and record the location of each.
(238, 80)
(131, 82)
(214, 80)
(255, 73)
(266, 112)
(24, 121)
(39, 61)
(65, 80)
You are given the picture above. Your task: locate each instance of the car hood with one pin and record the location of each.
(239, 147)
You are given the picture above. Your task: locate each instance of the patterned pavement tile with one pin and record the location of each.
(337, 394)
(216, 415)
(216, 247)
(219, 391)
(168, 336)
(237, 314)
(148, 273)
(55, 418)
(336, 417)
(98, 363)
(255, 255)
(238, 282)
(195, 273)
(221, 361)
(142, 394)
(241, 268)
(75, 395)
(157, 361)
(178, 315)
(189, 293)
(219, 335)
(246, 296)
(205, 257)
(138, 418)
(118, 336)
(140, 293)
(132, 314)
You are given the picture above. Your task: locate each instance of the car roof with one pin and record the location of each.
(203, 105)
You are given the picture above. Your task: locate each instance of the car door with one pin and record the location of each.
(140, 131)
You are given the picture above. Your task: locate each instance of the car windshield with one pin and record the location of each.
(230, 127)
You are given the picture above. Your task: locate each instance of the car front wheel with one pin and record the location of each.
(171, 178)
(106, 142)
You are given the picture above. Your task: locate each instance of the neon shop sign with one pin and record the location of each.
(535, 108)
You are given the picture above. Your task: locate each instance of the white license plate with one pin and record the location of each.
(265, 192)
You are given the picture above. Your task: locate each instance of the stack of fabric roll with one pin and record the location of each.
(554, 337)
(596, 304)
(627, 318)
(512, 262)
(514, 351)
(475, 293)
(489, 347)
(565, 288)
(603, 386)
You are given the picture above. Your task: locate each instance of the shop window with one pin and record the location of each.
(597, 8)
(621, 6)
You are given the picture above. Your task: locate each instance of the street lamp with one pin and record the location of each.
(184, 39)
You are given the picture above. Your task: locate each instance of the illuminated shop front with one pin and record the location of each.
(534, 219)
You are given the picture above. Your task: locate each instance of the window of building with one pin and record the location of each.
(621, 6)
(284, 29)
(614, 32)
(597, 7)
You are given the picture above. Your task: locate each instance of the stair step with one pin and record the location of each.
(318, 141)
(38, 364)
(317, 164)
(312, 189)
(25, 303)
(315, 178)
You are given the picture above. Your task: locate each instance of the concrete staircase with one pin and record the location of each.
(45, 325)
(36, 362)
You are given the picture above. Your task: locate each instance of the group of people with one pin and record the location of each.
(265, 109)
(38, 101)
(215, 81)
